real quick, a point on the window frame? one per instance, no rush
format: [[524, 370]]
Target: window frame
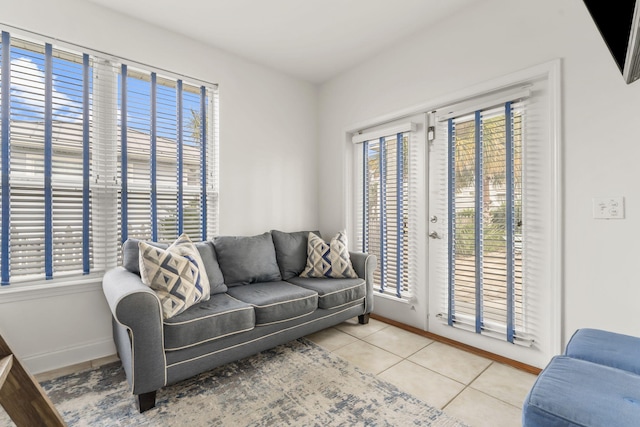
[[101, 186], [399, 135]]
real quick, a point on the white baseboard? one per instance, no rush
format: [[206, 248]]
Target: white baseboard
[[84, 352]]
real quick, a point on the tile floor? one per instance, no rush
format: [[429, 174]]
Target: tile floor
[[476, 390]]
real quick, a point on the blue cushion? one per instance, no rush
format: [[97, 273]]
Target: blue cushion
[[574, 392], [607, 348]]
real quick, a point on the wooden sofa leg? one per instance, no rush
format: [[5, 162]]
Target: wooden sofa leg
[[146, 401], [363, 319]]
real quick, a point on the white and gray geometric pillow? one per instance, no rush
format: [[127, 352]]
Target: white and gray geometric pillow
[[185, 247], [176, 278], [329, 260]]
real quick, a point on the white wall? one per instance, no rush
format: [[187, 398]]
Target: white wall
[[600, 138], [268, 135], [269, 131]]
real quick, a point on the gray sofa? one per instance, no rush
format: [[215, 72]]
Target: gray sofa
[[258, 300]]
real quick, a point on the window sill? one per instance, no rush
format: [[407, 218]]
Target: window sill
[[45, 289], [393, 298]]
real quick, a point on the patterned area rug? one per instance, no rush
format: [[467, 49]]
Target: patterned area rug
[[295, 384]]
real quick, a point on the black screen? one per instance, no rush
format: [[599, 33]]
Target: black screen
[[613, 19]]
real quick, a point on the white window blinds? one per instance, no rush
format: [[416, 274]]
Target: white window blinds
[[485, 218], [165, 146], [385, 205], [45, 216], [490, 192], [93, 152]]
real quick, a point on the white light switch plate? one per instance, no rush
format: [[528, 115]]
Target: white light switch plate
[[608, 207]]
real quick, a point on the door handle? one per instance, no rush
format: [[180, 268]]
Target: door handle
[[434, 235]]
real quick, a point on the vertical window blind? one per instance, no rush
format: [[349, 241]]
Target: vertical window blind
[[93, 152], [486, 247], [384, 206], [163, 153]]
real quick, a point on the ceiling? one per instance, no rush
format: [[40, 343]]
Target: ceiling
[[313, 40]]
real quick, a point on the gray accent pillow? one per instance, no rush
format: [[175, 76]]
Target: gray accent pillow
[[291, 251], [210, 260], [131, 254], [247, 259]]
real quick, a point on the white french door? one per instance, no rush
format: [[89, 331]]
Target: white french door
[[493, 258]]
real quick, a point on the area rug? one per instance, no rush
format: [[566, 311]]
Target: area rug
[[295, 384]]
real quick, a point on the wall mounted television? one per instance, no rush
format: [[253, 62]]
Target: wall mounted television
[[618, 22]]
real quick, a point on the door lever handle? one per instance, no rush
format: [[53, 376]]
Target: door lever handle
[[434, 235]]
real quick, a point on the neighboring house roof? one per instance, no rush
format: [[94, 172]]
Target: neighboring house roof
[[67, 136]]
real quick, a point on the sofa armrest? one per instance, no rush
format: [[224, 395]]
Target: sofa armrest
[[365, 264], [136, 307]]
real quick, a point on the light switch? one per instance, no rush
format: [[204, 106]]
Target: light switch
[[608, 207]]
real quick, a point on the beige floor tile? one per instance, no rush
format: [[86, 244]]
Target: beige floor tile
[[368, 357], [480, 410], [451, 362], [331, 338], [352, 327], [435, 389], [397, 341], [506, 383]]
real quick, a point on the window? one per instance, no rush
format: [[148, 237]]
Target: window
[[493, 176], [485, 281], [93, 152], [384, 206], [165, 149]]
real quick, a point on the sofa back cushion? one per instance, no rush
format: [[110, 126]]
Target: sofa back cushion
[[291, 251], [131, 261], [131, 254], [247, 259], [211, 266]]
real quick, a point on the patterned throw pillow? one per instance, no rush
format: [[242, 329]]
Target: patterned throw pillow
[[175, 274], [185, 247], [328, 260]]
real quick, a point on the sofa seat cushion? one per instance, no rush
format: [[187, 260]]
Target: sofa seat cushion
[[574, 392], [333, 293], [276, 301], [218, 317], [607, 348]]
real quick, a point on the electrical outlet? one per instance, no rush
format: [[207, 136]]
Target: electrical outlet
[[608, 207]]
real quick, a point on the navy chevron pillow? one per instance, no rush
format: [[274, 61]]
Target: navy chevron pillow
[[174, 274], [328, 260]]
